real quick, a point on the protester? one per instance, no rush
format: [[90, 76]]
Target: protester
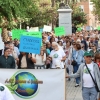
[[89, 91], [97, 60], [68, 51], [7, 61], [77, 59], [57, 54], [40, 59], [5, 94], [26, 61]]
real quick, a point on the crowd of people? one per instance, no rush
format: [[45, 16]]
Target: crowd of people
[[59, 52]]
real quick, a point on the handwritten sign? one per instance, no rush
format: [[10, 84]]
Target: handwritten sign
[[59, 31], [30, 44], [33, 34], [47, 28]]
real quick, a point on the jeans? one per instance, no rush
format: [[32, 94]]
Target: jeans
[[89, 93], [75, 70]]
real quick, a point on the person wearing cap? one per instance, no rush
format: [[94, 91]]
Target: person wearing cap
[[89, 91], [5, 94], [7, 61]]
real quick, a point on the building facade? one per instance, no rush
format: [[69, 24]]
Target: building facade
[[92, 20]]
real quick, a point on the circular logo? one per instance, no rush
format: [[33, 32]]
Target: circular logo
[[55, 55], [26, 84], [2, 88]]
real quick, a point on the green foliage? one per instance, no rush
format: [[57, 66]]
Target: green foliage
[[96, 8], [44, 15], [13, 11], [78, 17]]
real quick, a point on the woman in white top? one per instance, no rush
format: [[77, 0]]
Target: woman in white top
[[68, 52], [40, 59], [14, 54]]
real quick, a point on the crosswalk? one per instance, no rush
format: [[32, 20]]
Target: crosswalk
[[72, 92]]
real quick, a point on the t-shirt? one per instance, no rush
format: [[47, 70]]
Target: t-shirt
[[23, 62], [5, 94], [57, 56], [87, 80]]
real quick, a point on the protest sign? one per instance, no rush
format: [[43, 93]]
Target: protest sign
[[98, 28], [34, 29], [33, 34], [30, 44], [1, 45], [0, 30], [59, 31], [17, 33], [47, 28], [79, 29], [41, 30]]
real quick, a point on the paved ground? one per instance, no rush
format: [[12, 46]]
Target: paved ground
[[73, 93]]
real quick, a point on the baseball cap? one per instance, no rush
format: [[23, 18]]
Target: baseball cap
[[87, 53]]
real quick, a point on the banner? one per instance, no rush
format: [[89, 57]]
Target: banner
[[30, 44], [47, 28], [59, 31], [35, 84]]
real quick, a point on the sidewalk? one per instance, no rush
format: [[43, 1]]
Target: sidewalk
[[72, 92]]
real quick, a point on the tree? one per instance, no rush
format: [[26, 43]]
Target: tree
[[78, 17], [45, 14], [96, 8], [13, 11]]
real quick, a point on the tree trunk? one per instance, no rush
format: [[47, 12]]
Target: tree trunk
[[53, 3], [5, 35]]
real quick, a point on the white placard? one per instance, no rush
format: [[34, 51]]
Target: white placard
[[35, 84], [1, 45], [34, 29], [47, 28]]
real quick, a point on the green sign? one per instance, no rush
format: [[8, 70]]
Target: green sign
[[59, 31], [98, 28], [0, 30], [79, 29], [34, 34], [17, 33]]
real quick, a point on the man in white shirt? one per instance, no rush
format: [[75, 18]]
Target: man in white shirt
[[5, 94], [57, 55]]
